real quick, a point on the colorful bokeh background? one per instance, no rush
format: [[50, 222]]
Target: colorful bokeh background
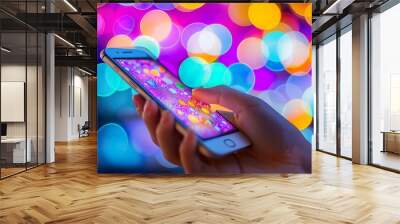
[[263, 49]]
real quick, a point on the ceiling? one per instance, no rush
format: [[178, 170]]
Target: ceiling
[[75, 22]]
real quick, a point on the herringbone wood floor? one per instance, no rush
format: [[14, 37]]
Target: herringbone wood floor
[[70, 191]]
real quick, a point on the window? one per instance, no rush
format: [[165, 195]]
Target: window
[[385, 89], [346, 92], [327, 96]]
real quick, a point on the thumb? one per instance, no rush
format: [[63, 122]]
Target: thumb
[[227, 97], [188, 154]]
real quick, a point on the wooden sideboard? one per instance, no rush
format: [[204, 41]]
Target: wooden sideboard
[[391, 141]]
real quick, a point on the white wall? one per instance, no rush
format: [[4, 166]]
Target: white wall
[[70, 83]]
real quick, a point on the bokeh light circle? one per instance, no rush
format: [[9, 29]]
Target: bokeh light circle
[[299, 8], [100, 25], [223, 34], [103, 89], [157, 24], [303, 82], [296, 111], [274, 98], [253, 52], [163, 162], [271, 40], [194, 72], [172, 39], [142, 5], [293, 49], [238, 13], [243, 78], [204, 42], [148, 43], [308, 98], [308, 14], [308, 134], [113, 146], [120, 41], [165, 6], [189, 30], [264, 79], [220, 75], [108, 81], [188, 7], [146, 145], [124, 25], [265, 16]]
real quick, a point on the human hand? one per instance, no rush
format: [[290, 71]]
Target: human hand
[[277, 146]]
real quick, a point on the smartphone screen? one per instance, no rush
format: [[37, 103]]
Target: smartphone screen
[[165, 88]]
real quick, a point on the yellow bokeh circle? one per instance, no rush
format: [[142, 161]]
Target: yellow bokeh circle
[[238, 13], [188, 7], [297, 112], [265, 16]]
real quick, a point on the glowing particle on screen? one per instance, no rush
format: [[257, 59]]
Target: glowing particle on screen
[[167, 80], [238, 13], [180, 85], [220, 75], [191, 103], [205, 110], [253, 52], [296, 112], [264, 16], [194, 72], [181, 102], [243, 78], [146, 71], [192, 118], [154, 72], [172, 90], [149, 44], [124, 25], [120, 41], [188, 7], [157, 24], [180, 112]]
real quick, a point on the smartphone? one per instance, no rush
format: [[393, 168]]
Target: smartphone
[[216, 135]]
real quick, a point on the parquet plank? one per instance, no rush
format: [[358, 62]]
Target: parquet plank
[[70, 191]]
